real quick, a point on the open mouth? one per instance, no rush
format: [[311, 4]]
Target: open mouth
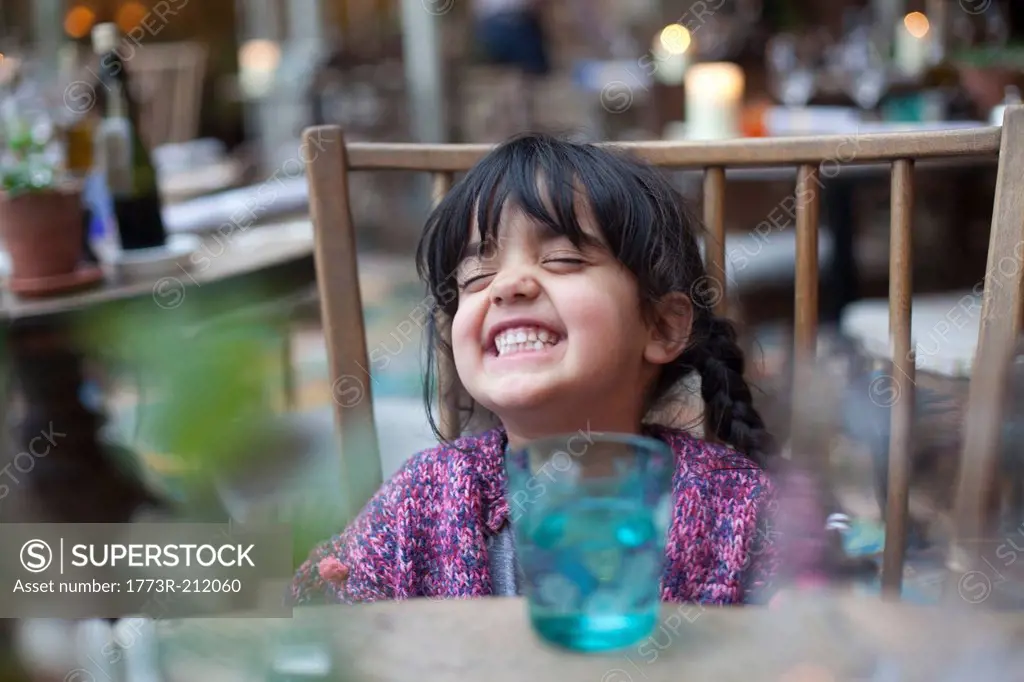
[[523, 340]]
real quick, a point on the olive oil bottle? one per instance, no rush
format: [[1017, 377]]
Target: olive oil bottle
[[77, 130]]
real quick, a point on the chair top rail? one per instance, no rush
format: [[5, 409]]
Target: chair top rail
[[849, 149]]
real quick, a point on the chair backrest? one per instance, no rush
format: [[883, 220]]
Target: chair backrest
[[168, 83], [331, 161]]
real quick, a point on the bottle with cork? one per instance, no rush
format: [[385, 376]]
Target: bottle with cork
[[127, 169]]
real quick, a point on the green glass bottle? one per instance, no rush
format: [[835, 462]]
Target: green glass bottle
[[130, 176]]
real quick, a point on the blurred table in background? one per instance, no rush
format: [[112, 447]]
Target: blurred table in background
[[950, 232], [189, 184], [263, 251], [241, 209], [47, 358], [815, 638], [196, 168]]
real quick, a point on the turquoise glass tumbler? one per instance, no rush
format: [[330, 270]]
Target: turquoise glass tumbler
[[590, 514]]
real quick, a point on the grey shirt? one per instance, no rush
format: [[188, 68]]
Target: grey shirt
[[506, 577]]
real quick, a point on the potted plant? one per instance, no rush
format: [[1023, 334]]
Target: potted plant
[[40, 211], [986, 73]]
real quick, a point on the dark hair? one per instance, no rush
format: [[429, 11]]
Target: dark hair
[[647, 225]]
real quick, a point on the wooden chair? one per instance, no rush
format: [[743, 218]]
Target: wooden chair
[[168, 83], [335, 255]]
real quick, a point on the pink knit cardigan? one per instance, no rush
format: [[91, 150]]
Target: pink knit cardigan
[[424, 534]]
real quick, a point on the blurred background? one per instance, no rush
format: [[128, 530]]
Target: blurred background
[[193, 383], [227, 87]]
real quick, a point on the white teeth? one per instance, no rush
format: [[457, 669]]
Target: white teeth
[[524, 339]]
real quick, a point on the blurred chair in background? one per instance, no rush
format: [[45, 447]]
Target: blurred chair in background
[[168, 78]]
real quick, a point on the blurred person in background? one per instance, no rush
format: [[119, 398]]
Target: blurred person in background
[[510, 33]]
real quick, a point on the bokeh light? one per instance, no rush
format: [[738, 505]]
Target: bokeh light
[[674, 39], [130, 15], [79, 21], [917, 24]]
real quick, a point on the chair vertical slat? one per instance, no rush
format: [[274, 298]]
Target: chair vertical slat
[[342, 313], [447, 381], [997, 336], [442, 185], [807, 213], [806, 303], [896, 391], [714, 222]]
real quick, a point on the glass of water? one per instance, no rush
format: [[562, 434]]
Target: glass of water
[[590, 513]]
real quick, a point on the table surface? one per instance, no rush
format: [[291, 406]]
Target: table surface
[[204, 180], [820, 639], [225, 257], [276, 198], [944, 327]]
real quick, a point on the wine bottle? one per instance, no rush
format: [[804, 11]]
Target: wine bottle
[[128, 170]]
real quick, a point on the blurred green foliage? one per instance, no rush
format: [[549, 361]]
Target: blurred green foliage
[[1009, 57], [209, 381], [24, 165], [206, 383]]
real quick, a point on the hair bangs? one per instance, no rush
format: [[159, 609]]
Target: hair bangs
[[550, 182]]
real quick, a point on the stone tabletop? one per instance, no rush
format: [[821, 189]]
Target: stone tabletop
[[819, 639]]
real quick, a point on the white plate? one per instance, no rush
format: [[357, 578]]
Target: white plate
[[173, 257]]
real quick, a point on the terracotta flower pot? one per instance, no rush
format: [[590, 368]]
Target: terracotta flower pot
[[986, 85], [42, 232]]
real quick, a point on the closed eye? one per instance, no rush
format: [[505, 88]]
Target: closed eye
[[469, 282], [565, 263]]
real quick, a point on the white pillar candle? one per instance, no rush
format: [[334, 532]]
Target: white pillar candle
[[913, 46], [714, 92], [257, 66]]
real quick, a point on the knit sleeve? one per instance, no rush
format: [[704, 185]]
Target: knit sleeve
[[366, 562]]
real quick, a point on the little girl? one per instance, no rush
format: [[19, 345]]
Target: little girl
[[582, 301]]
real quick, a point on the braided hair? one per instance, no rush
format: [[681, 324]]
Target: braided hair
[[729, 413], [645, 223]]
